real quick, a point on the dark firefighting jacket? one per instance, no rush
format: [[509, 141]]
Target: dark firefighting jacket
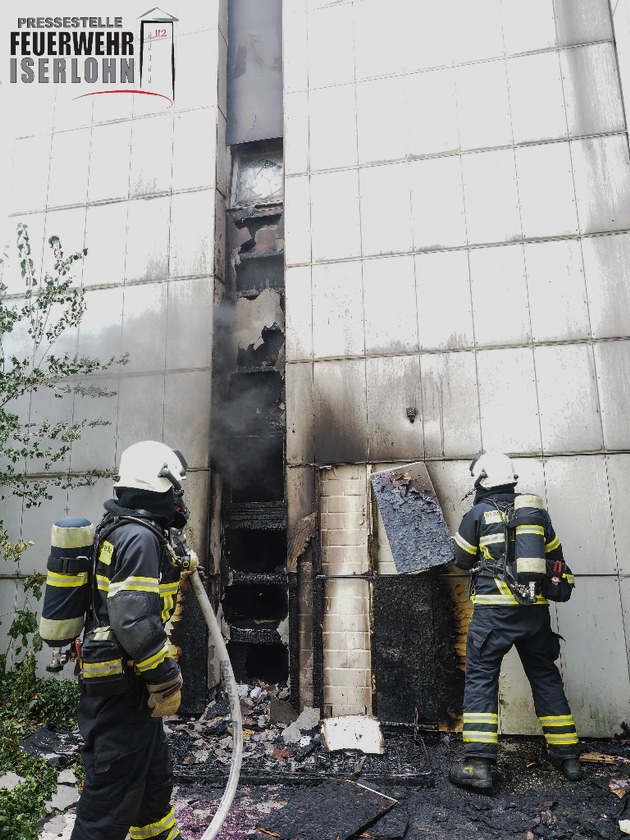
[[135, 590], [480, 549]]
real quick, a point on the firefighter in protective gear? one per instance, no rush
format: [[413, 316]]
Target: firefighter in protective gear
[[500, 621], [128, 772]]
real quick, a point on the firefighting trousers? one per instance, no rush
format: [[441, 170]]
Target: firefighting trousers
[[493, 631], [128, 772]]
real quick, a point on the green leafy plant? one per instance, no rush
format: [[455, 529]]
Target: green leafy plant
[[49, 306], [30, 702], [31, 465]]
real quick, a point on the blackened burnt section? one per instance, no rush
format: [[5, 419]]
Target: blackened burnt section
[[255, 600], [417, 676], [255, 551], [259, 271]]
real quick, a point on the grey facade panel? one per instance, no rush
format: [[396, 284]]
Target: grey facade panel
[[254, 71]]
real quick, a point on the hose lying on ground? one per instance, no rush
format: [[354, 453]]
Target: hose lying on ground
[[229, 682]]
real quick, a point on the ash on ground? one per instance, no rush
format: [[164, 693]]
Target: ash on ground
[[530, 799]]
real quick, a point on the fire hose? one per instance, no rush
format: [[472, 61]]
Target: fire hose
[[229, 682]]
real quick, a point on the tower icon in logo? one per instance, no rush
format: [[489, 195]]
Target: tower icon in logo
[[157, 52]]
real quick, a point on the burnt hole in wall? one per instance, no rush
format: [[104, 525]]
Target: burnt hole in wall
[[256, 272], [255, 602], [266, 352], [257, 468], [256, 400], [260, 234], [259, 661], [256, 551]]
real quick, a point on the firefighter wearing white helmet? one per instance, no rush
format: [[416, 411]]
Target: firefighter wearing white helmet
[[508, 543], [129, 681]]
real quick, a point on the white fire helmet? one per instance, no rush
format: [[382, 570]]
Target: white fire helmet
[[493, 469], [151, 466]]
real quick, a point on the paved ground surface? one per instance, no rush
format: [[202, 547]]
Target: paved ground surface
[[531, 800]]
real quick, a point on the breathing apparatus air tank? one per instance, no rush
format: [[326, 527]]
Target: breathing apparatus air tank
[[66, 596], [527, 526]]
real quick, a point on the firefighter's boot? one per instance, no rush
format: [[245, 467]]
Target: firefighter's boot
[[473, 772], [570, 768]]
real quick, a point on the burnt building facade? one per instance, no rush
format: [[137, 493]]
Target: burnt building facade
[[367, 241]]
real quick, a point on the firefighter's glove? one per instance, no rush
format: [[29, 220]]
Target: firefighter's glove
[[165, 698]]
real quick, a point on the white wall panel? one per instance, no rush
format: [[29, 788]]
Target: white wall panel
[[296, 132], [188, 91], [333, 108], [546, 190], [299, 401], [556, 289], [340, 409], [391, 433], [144, 326], [32, 155], [619, 484], [151, 155], [580, 483], [190, 311], [192, 239], [148, 238], [389, 305], [195, 140], [337, 309], [69, 167], [294, 45], [613, 374], [450, 405], [580, 21], [437, 203], [593, 659], [567, 398], [606, 261], [508, 400], [491, 197], [379, 38], [135, 425], [331, 46], [429, 45], [443, 287], [110, 154], [591, 86], [299, 313], [529, 27], [431, 111], [106, 241], [192, 389], [477, 30], [385, 200], [297, 223], [96, 449], [335, 228], [536, 97], [499, 293], [602, 183], [483, 105], [382, 120], [100, 330]]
